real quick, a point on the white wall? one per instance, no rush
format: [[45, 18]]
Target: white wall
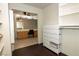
[[71, 19], [31, 9], [50, 27], [4, 29], [70, 42], [50, 14], [27, 24]]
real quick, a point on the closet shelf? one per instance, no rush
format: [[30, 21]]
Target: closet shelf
[[68, 14], [70, 26], [68, 9]]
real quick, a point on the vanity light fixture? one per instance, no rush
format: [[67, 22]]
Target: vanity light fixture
[[26, 15], [23, 16]]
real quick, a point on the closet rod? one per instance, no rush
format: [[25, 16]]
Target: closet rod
[[69, 27]]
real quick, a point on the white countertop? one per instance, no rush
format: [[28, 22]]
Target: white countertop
[[25, 29]]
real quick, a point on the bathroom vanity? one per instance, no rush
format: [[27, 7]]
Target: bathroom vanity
[[23, 33]]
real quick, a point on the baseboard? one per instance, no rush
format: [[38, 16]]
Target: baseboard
[[41, 43], [62, 54]]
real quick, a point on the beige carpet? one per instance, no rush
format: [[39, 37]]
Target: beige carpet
[[20, 43]]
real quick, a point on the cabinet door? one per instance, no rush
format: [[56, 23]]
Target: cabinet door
[[35, 33], [25, 34], [19, 35], [22, 35]]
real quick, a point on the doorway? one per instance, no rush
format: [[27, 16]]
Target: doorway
[[25, 29]]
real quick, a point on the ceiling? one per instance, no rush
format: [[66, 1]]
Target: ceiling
[[22, 12], [39, 5]]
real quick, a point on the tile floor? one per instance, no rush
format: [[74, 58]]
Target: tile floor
[[20, 43]]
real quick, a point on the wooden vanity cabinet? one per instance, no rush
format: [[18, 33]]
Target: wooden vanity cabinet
[[35, 34], [22, 35]]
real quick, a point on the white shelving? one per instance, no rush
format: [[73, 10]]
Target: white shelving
[[69, 24], [69, 15], [69, 27], [51, 37], [69, 9]]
